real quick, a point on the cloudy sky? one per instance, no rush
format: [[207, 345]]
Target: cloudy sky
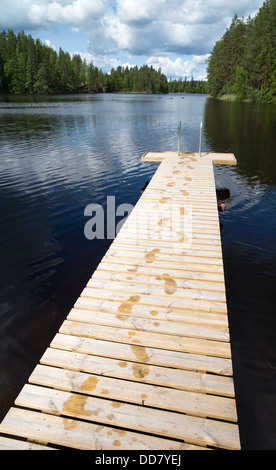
[[176, 35]]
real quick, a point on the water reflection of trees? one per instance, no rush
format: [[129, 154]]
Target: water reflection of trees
[[247, 130]]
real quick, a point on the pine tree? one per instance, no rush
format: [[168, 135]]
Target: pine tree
[[28, 66], [243, 61], [260, 50]]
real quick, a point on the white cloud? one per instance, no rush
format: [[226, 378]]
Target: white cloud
[[154, 28], [49, 44], [75, 13], [37, 13], [117, 32], [194, 67], [139, 12], [106, 63], [160, 27]]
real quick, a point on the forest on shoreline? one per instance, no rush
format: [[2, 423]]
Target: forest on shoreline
[[28, 66], [242, 65]]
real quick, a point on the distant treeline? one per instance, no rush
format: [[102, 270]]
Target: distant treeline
[[243, 62], [28, 66], [188, 86]]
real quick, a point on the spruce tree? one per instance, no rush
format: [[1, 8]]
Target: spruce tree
[[243, 61]]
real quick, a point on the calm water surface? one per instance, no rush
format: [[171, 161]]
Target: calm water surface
[[59, 154]]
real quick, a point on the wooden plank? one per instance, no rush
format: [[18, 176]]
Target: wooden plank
[[191, 403], [7, 443], [150, 259], [165, 203], [158, 313], [166, 287], [186, 220], [214, 290], [216, 158], [156, 254], [169, 234], [180, 242], [75, 434], [122, 320], [134, 245], [152, 274], [172, 425], [128, 269], [173, 206], [184, 282], [182, 195], [158, 301], [168, 250], [143, 359], [156, 340], [167, 223], [177, 284], [186, 254], [85, 357], [177, 262], [148, 355], [164, 247]]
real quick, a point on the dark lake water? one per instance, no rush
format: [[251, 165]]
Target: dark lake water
[[58, 154]]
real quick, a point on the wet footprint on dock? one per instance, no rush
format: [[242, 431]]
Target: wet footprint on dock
[[170, 286]]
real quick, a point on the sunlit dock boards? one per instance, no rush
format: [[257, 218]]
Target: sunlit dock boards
[[143, 360]]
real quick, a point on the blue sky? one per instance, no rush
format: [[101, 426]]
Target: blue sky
[[176, 35]]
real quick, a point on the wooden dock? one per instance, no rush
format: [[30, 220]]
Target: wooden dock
[[143, 360]]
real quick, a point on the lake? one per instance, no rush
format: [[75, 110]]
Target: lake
[[60, 153]]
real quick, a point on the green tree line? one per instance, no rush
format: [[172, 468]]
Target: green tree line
[[28, 66], [243, 61], [188, 86]]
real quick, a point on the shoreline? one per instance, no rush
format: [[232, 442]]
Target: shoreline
[[232, 98]]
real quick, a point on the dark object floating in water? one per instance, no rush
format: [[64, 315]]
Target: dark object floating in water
[[223, 196]]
